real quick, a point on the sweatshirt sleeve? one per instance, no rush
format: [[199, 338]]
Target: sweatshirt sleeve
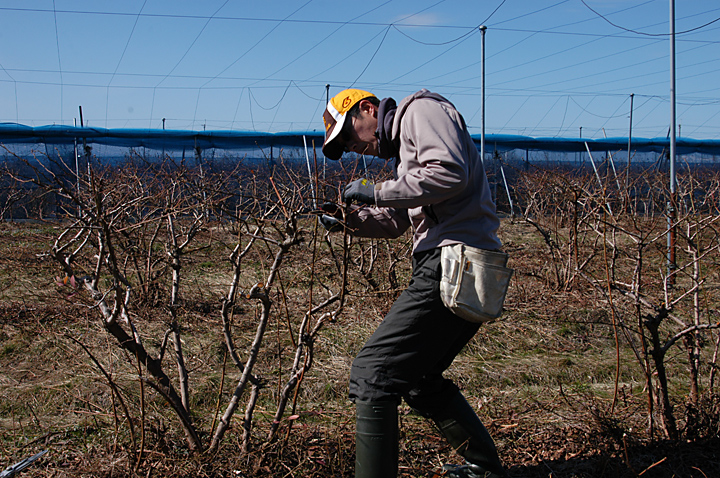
[[378, 222], [432, 142]]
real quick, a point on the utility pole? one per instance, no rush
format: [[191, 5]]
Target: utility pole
[[671, 202], [483, 28], [627, 173]]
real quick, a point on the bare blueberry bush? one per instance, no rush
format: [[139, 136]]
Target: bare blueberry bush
[[214, 295], [132, 248], [651, 257]]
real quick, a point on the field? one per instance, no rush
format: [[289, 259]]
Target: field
[[239, 335]]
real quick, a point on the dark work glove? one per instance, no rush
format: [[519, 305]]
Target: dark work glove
[[330, 223], [332, 209], [360, 190], [330, 217]]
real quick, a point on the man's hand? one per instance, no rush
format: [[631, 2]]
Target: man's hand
[[360, 190], [330, 223], [330, 217]]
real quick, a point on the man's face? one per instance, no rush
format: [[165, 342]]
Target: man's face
[[359, 136]]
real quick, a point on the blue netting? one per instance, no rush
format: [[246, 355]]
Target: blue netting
[[177, 140]]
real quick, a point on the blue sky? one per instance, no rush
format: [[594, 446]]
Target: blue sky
[[554, 68]]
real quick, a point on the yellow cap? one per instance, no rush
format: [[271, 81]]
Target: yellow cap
[[334, 118]]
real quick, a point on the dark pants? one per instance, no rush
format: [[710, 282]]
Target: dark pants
[[413, 346]]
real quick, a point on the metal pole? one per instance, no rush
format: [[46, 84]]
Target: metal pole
[[507, 191], [482, 94], [671, 203], [310, 177], [578, 154], [86, 151], [77, 163], [627, 173], [163, 150], [597, 176], [327, 101], [77, 169], [612, 163]]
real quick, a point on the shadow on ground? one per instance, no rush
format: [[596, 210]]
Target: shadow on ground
[[699, 459]]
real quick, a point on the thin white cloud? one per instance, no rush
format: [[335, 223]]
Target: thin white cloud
[[423, 19]]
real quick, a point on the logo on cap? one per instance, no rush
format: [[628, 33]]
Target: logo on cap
[[346, 102]]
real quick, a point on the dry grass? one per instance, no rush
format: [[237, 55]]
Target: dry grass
[[542, 380]]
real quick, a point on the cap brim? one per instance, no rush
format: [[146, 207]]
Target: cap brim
[[333, 148]]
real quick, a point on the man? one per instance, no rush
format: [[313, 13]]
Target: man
[[442, 191]]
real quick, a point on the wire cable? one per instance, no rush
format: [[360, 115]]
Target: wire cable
[[371, 58], [470, 32], [517, 110], [562, 123], [237, 108], [127, 43], [207, 22], [350, 55], [493, 13], [584, 109], [320, 42], [297, 58], [369, 41], [303, 92], [706, 122], [315, 46], [318, 104], [549, 31], [532, 13], [197, 37], [645, 33], [17, 109], [547, 112], [257, 42], [117, 66], [430, 60], [273, 20], [456, 42], [269, 107], [583, 86], [278, 104], [616, 110]]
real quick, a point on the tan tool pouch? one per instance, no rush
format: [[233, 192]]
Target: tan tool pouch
[[474, 282]]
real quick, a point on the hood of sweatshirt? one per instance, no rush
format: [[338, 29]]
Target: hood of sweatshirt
[[400, 111], [387, 147]]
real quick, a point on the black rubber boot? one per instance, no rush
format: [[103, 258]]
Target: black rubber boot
[[376, 439], [464, 431], [466, 471]]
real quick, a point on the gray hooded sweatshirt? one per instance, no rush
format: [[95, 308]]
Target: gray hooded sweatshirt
[[441, 188]]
